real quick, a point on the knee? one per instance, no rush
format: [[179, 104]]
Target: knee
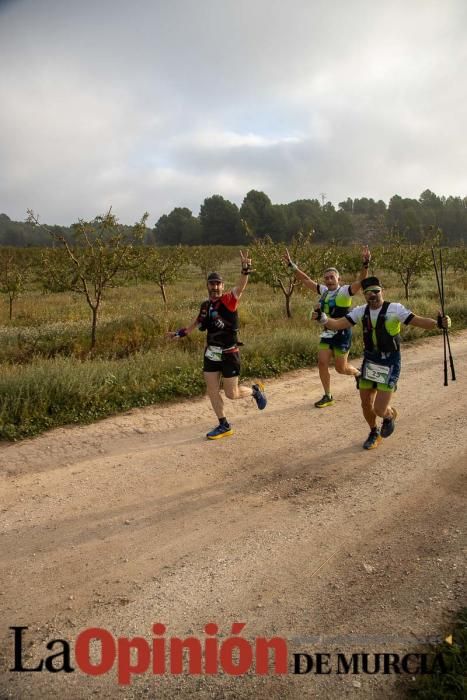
[[230, 393], [379, 411], [341, 368], [323, 363]]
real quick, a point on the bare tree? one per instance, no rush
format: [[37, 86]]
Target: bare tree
[[162, 266], [269, 264], [100, 250], [409, 260], [12, 278]]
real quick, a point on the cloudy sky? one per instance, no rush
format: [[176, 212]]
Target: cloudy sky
[[155, 104]]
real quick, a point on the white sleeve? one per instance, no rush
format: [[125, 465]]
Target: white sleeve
[[321, 289], [400, 311], [345, 289], [356, 314]]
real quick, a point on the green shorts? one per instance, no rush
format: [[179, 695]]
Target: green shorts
[[366, 384], [337, 352], [339, 343]]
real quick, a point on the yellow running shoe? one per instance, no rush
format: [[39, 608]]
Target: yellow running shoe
[[327, 400], [220, 431]]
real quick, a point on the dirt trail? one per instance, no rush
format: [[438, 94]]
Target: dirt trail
[[288, 526]]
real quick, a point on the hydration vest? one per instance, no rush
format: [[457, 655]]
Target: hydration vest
[[385, 342], [220, 323], [331, 306]]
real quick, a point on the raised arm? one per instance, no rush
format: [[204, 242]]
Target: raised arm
[[363, 274], [245, 271], [299, 274]]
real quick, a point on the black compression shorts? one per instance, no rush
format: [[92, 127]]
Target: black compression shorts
[[229, 366]]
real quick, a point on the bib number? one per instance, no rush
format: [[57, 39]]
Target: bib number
[[376, 373], [214, 353]]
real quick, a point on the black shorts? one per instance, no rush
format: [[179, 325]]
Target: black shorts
[[229, 365]]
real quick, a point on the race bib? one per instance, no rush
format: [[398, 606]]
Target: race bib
[[327, 334], [213, 353], [376, 373]]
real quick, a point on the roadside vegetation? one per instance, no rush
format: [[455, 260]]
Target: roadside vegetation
[[59, 366], [451, 684]]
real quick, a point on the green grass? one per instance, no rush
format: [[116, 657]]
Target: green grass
[[453, 684], [48, 376]]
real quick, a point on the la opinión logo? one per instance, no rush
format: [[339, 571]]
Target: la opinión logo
[[96, 651]]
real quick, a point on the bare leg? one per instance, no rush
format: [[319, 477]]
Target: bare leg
[[234, 391], [324, 358], [212, 380], [367, 397], [382, 407], [342, 366]]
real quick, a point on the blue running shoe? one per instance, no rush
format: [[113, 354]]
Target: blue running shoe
[[219, 432], [373, 439], [259, 395], [389, 424]]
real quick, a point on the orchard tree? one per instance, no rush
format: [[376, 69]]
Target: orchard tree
[[162, 266], [409, 260], [348, 260], [12, 277], [268, 261], [209, 257], [456, 259], [315, 259], [100, 250]]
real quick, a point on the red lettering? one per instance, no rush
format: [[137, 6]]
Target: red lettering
[[143, 657], [83, 653]]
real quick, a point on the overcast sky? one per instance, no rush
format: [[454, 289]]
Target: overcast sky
[[155, 104]]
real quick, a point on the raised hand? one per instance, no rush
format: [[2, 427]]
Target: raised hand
[[288, 260], [316, 314], [246, 263], [286, 257]]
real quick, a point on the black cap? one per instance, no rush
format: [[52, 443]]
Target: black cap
[[371, 282], [214, 277]]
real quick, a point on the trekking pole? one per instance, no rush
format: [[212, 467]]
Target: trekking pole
[[442, 311], [451, 361], [441, 301], [446, 342]]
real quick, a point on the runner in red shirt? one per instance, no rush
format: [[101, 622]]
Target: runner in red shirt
[[219, 318]]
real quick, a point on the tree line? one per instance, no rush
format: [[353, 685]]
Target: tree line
[[221, 222], [105, 253]]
